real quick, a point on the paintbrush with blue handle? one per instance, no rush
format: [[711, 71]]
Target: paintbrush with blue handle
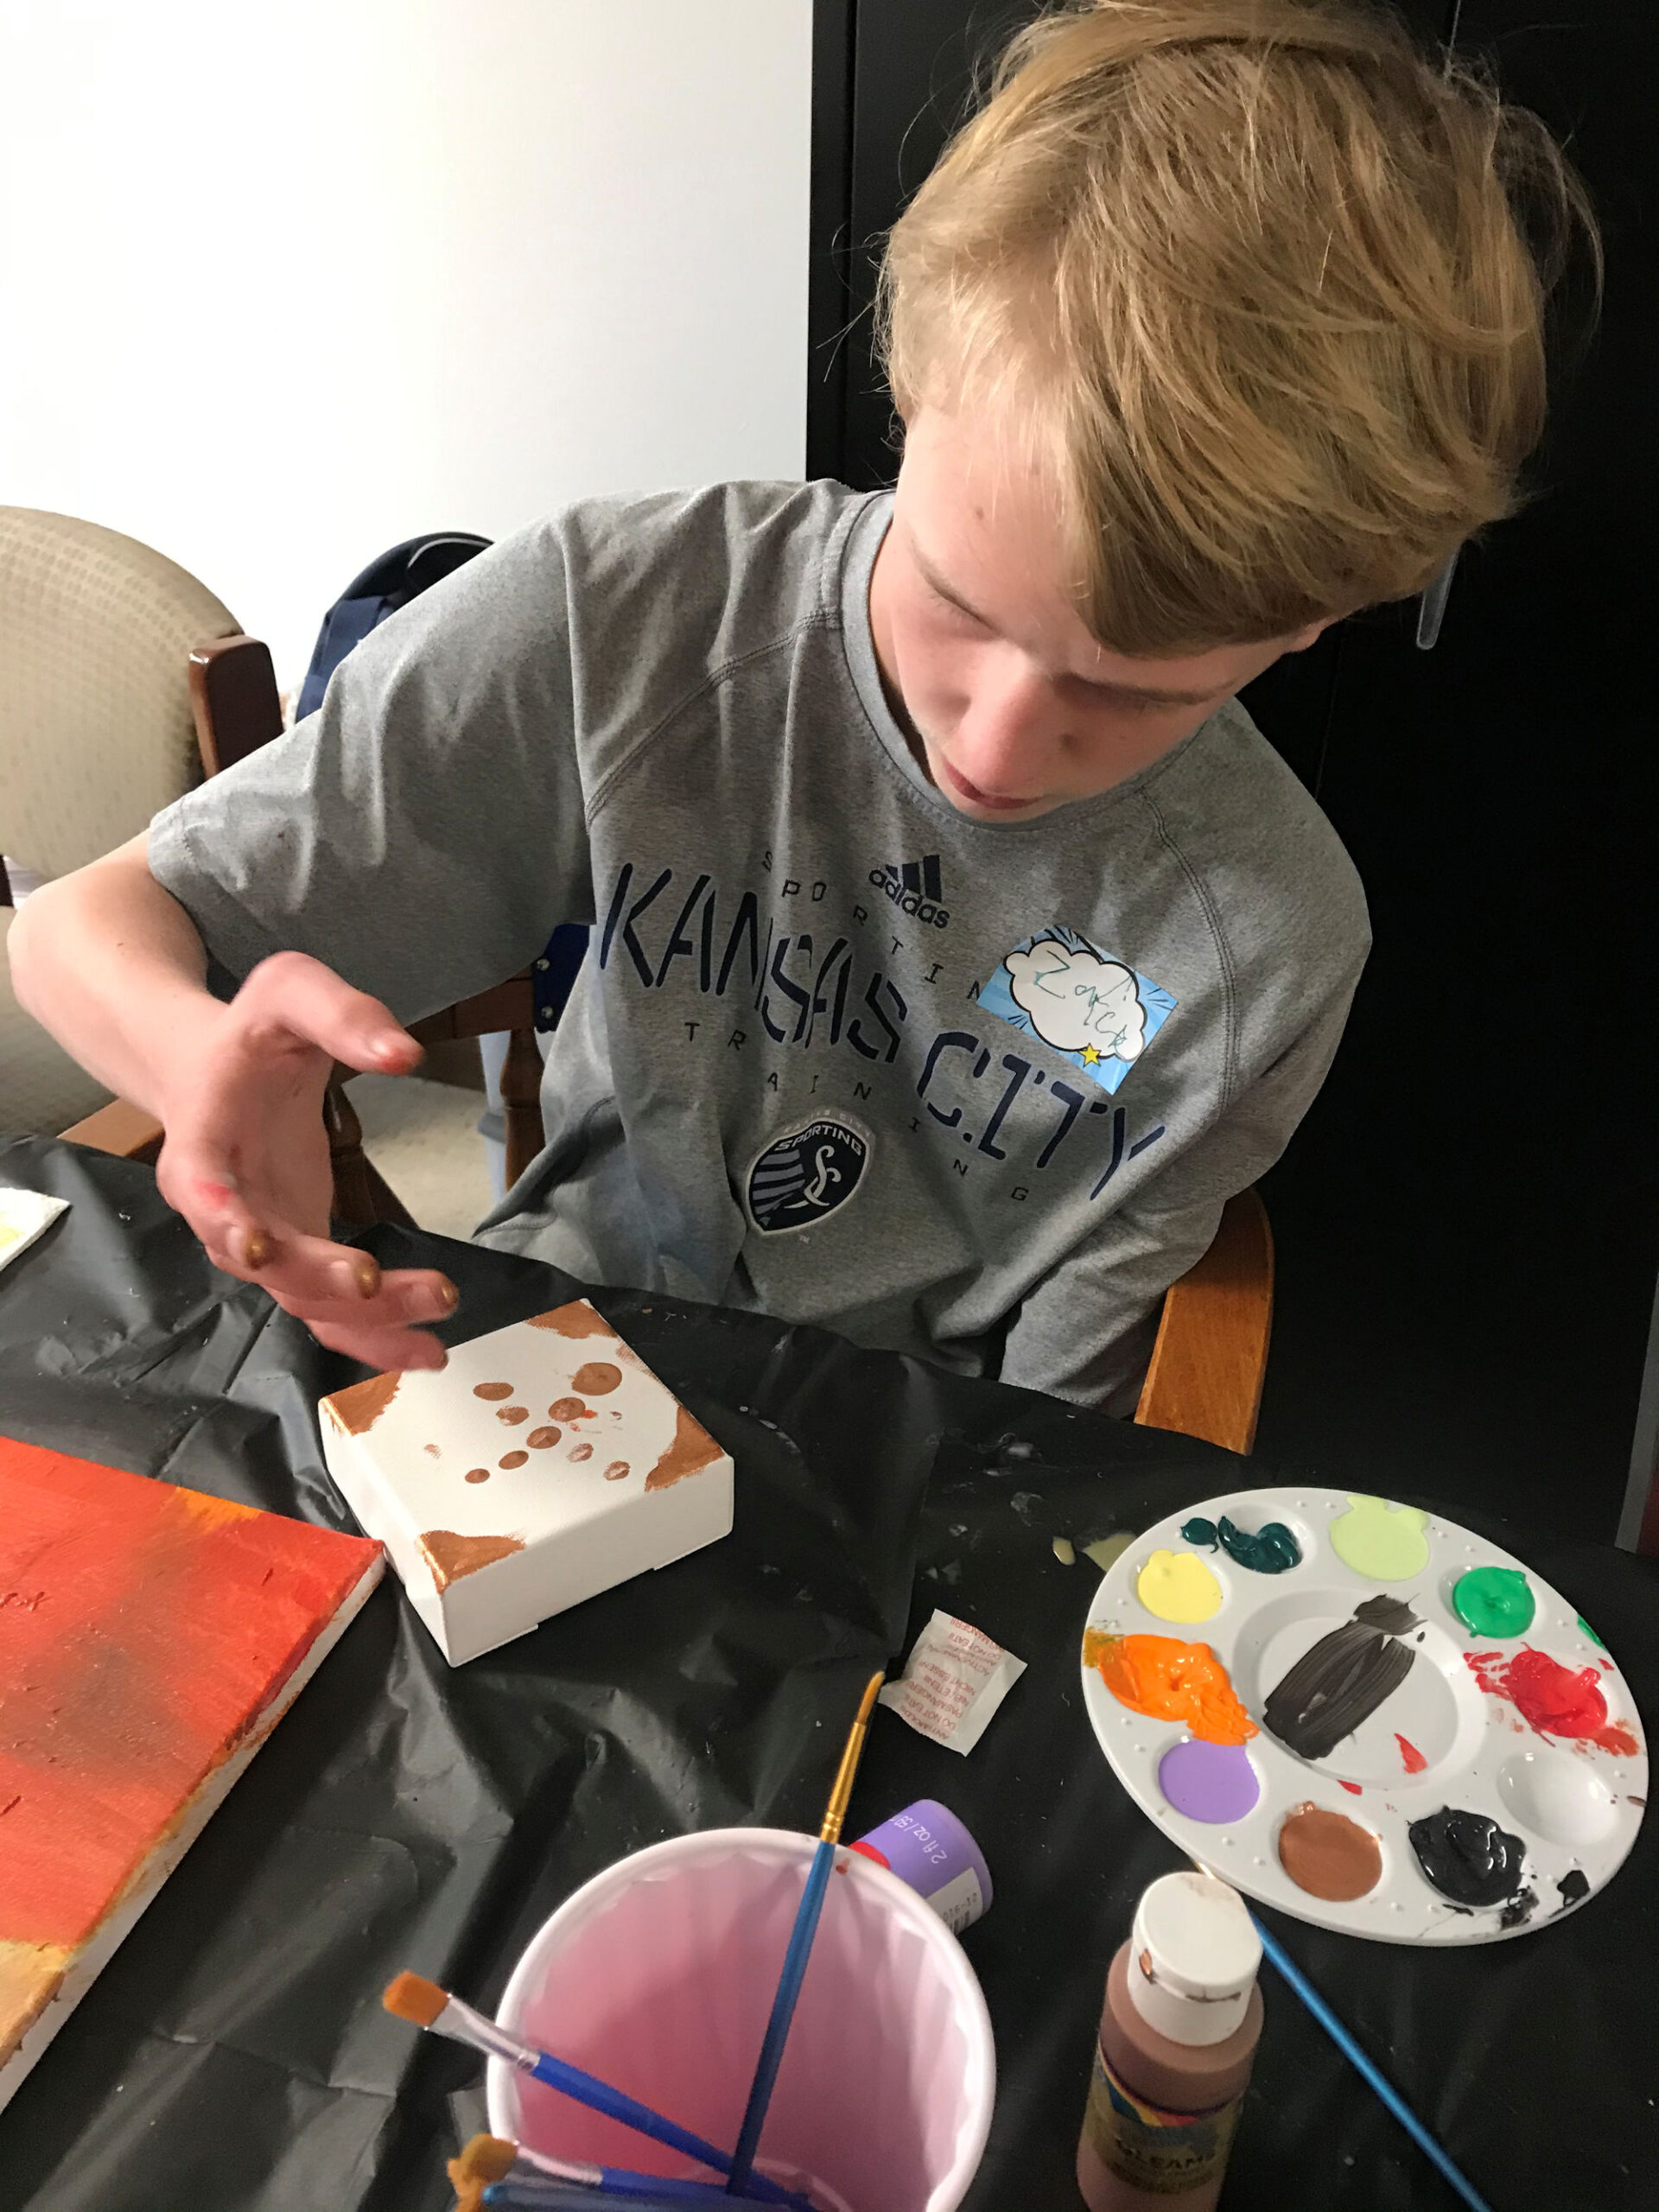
[[800, 1948], [570, 2196], [411, 1997], [1379, 2082], [491, 2162]]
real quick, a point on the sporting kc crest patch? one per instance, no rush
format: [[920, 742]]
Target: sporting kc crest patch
[[1097, 1011], [804, 1177]]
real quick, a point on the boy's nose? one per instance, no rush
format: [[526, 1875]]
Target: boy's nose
[[1008, 739]]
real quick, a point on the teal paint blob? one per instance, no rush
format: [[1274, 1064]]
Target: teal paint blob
[[1270, 1550], [1494, 1601]]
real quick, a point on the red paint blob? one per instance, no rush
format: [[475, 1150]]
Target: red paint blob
[[1551, 1697], [1414, 1761], [1353, 1788]]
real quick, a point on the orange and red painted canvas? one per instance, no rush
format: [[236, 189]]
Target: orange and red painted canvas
[[149, 1639]]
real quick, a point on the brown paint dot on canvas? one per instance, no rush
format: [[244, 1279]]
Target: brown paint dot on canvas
[[1329, 1855], [513, 1458], [435, 1451], [477, 1475], [540, 1439], [492, 1389], [567, 1409], [582, 1452], [616, 1471], [596, 1378], [513, 1414]]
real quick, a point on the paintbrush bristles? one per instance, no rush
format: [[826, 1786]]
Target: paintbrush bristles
[[486, 2158], [412, 1997], [840, 1796]]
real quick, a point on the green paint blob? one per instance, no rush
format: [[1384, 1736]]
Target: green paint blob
[[1590, 1632], [1269, 1550], [1384, 1542], [1494, 1601]]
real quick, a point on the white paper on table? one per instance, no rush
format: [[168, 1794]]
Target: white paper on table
[[953, 1682], [24, 1215]]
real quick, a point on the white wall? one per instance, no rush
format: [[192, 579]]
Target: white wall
[[280, 284]]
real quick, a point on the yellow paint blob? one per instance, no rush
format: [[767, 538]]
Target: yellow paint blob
[[1177, 1586]]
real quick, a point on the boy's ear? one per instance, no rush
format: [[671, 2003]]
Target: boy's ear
[[1299, 640]]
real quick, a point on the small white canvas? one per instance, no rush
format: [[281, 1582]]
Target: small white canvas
[[544, 1464], [25, 1215]]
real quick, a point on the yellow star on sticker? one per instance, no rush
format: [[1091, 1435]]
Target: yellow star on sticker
[[1091, 1057]]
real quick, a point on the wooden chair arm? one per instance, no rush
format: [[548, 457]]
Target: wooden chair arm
[[126, 1131], [1211, 1356], [234, 699], [510, 1005]]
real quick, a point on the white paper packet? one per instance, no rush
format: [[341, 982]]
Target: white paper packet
[[953, 1682], [23, 1216]]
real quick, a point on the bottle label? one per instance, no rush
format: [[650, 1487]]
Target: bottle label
[[1163, 2153]]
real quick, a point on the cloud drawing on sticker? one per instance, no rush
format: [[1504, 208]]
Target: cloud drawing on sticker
[[1077, 1001]]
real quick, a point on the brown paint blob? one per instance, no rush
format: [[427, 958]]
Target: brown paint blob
[[582, 1452], [477, 1475], [450, 1556], [434, 1450], [1329, 1855], [596, 1378], [692, 1450], [513, 1414], [567, 1409], [492, 1389], [540, 1439], [617, 1471], [512, 1458], [576, 1319], [357, 1408]]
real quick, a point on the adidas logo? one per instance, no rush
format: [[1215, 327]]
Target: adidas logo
[[915, 887]]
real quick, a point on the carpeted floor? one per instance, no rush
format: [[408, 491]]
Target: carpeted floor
[[424, 1138]]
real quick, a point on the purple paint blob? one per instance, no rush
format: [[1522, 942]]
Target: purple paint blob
[[1213, 1783]]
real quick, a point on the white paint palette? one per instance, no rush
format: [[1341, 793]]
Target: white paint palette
[[1400, 1732]]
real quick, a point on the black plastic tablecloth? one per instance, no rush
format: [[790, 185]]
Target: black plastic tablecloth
[[234, 2058]]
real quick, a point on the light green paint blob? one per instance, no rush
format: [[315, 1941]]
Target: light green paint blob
[[1384, 1542], [9, 1235], [1494, 1601], [1106, 1551], [1590, 1632], [1064, 1551]]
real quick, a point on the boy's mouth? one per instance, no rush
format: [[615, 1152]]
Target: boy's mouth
[[956, 782]]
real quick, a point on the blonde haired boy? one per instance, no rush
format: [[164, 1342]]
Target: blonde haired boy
[[959, 946]]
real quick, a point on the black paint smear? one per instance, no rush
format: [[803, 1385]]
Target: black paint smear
[[1468, 1858], [1342, 1680], [1519, 1910], [1574, 1887]]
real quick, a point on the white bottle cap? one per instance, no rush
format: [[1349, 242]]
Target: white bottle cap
[[1193, 1956]]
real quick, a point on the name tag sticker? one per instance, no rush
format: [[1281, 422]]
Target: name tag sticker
[[1094, 1009]]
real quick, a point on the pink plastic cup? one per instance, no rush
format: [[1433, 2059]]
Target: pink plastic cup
[[659, 1974]]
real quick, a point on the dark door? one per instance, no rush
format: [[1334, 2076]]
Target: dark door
[[1468, 1223]]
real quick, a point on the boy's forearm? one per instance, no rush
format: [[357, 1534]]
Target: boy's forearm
[[111, 965]]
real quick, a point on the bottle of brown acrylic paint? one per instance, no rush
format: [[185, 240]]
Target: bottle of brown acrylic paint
[[1178, 2033]]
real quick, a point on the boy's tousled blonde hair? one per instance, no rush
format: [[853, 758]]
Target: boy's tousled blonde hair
[[1262, 287]]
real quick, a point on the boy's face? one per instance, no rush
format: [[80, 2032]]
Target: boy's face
[[1010, 704]]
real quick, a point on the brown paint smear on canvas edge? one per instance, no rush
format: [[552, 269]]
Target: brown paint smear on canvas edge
[[450, 1556], [357, 1408], [692, 1450]]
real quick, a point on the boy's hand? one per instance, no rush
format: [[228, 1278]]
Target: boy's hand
[[247, 1162]]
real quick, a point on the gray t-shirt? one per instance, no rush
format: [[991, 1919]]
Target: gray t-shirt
[[837, 1052]]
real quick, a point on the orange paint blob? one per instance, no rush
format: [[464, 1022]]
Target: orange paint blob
[[1168, 1680]]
